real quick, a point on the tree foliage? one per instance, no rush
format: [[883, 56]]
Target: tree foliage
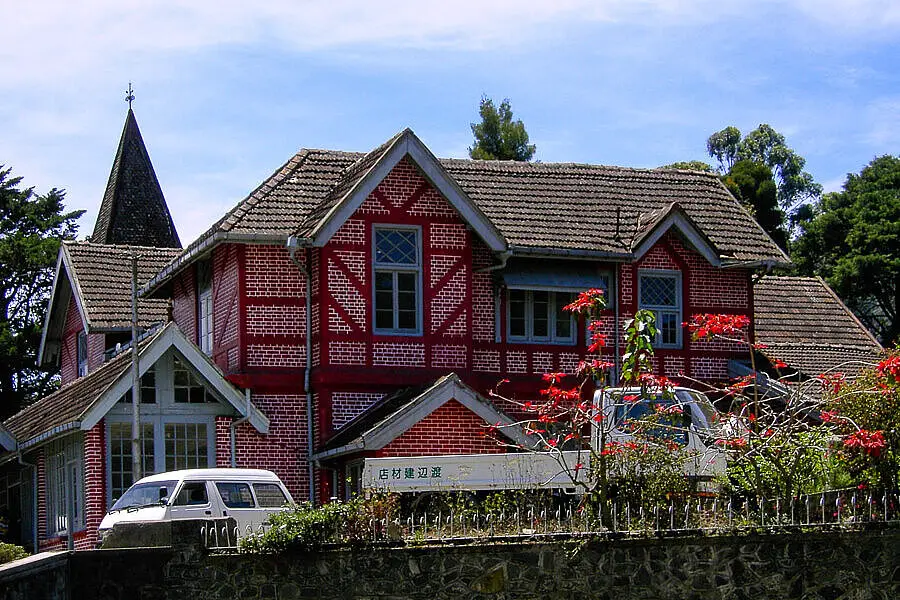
[[752, 183], [852, 240], [691, 165], [497, 136], [31, 229], [767, 146]]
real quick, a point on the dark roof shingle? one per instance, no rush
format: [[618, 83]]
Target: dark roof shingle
[[134, 211], [103, 276], [561, 206], [69, 403]]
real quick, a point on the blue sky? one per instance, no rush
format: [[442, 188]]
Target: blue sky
[[228, 90]]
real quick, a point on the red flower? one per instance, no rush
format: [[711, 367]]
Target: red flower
[[889, 368], [703, 326], [868, 442], [587, 302]]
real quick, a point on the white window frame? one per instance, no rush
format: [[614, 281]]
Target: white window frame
[[659, 310], [64, 471], [395, 269], [205, 307], [165, 412], [81, 353], [529, 337]]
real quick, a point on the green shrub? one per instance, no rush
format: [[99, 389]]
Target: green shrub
[[11, 552]]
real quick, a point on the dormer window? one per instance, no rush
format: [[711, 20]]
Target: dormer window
[[82, 350], [397, 275], [204, 307]]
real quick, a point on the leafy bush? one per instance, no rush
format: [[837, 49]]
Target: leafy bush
[[11, 552], [304, 527]]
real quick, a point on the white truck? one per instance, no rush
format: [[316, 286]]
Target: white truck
[[550, 470]]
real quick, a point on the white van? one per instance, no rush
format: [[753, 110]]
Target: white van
[[247, 495]]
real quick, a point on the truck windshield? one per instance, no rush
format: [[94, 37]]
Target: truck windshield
[[151, 493], [671, 425]]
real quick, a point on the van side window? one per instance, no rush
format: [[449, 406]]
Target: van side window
[[235, 495], [269, 495], [192, 493]]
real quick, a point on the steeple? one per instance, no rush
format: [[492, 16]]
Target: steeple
[[134, 210]]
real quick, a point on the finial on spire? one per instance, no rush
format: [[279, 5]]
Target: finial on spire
[[129, 95]]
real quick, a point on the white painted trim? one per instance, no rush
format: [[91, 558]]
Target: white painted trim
[[408, 144], [678, 219], [172, 337]]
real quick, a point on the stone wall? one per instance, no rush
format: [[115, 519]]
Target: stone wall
[[857, 564]]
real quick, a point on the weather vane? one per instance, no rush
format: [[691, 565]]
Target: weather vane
[[129, 98]]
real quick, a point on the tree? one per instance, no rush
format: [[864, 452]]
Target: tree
[[498, 137], [691, 165], [752, 183], [767, 146], [852, 240], [31, 229]]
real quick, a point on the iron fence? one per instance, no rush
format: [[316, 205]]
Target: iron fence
[[573, 516]]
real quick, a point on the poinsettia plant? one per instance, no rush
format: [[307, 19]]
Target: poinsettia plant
[[622, 443]]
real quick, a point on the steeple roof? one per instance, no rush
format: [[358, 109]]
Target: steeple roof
[[134, 210]]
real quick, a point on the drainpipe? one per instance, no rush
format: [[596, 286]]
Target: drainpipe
[[233, 427], [504, 258], [34, 497], [293, 245]]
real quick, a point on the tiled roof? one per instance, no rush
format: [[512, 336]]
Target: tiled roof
[[71, 401], [791, 310], [813, 359], [561, 206], [134, 210], [103, 276], [590, 207], [803, 323]]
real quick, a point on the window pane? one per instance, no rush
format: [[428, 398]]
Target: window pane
[[517, 313], [235, 495], [192, 493], [541, 314], [658, 291], [186, 446], [406, 301], [396, 246], [563, 317], [668, 327], [120, 456], [269, 495]]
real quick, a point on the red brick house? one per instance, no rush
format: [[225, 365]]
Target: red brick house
[[359, 305]]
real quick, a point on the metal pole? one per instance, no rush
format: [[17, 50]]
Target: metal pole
[[135, 379]]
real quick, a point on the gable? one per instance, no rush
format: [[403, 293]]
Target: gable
[[396, 415], [361, 182], [450, 429]]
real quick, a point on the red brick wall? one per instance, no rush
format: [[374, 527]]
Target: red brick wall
[[275, 306], [451, 429], [705, 289], [94, 483], [184, 303], [68, 357], [282, 450], [226, 306]]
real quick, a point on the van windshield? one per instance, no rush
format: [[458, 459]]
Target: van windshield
[[151, 493]]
